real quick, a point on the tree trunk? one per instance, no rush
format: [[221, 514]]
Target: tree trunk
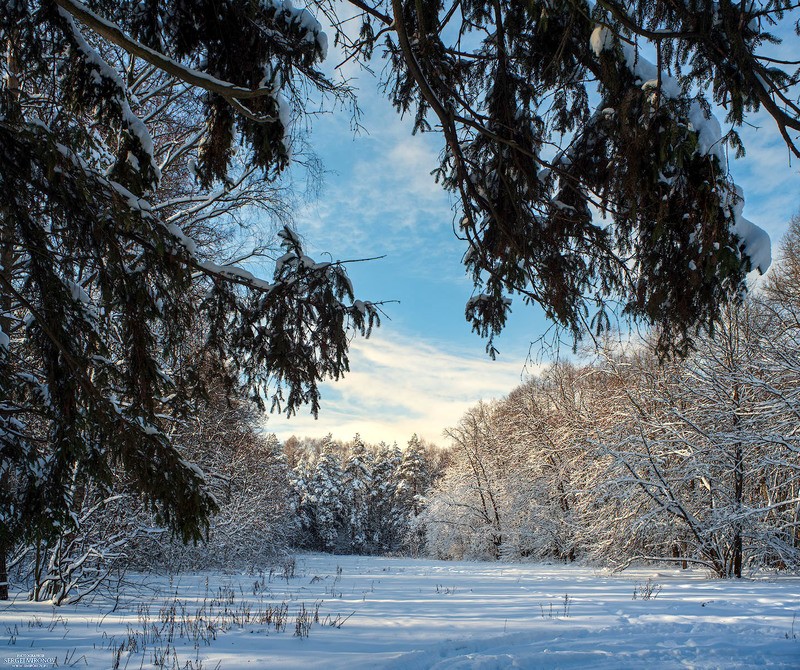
[[3, 574], [738, 493], [7, 258], [497, 541], [4, 532]]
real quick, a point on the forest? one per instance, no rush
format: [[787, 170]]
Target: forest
[[156, 298], [622, 459]]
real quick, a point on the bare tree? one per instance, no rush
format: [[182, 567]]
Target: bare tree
[[704, 442]]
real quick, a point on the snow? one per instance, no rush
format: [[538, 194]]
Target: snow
[[289, 237], [600, 40], [186, 242], [237, 274], [77, 291], [307, 23], [409, 614], [709, 132], [134, 202], [562, 206], [284, 112], [755, 240], [757, 244]]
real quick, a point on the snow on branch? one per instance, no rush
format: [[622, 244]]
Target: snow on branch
[[116, 36], [710, 142], [103, 71]]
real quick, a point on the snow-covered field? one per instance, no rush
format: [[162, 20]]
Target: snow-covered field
[[413, 614]]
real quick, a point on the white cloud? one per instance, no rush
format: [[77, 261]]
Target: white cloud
[[768, 176], [399, 386], [384, 197]]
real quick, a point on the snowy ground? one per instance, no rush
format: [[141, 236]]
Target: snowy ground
[[408, 614]]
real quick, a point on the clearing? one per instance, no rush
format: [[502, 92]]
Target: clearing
[[352, 612]]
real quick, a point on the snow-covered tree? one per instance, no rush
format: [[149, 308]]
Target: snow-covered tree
[[302, 505], [387, 521], [521, 470], [703, 445], [325, 506], [631, 458], [414, 477], [357, 487], [545, 419], [469, 509], [112, 530], [580, 142], [93, 552], [129, 134], [249, 479], [362, 498]]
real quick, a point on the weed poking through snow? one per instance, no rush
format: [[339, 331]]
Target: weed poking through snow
[[556, 612], [648, 590]]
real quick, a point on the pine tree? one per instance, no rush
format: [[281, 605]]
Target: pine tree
[[300, 485], [387, 521], [326, 503], [414, 477], [357, 486], [590, 174], [110, 217]]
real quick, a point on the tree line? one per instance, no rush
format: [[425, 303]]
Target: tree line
[[693, 460], [139, 140], [272, 499]]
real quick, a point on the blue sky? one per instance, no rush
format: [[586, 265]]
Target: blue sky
[[423, 368]]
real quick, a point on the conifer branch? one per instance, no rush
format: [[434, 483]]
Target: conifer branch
[[116, 36]]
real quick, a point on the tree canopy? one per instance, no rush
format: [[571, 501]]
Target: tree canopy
[[133, 140], [590, 173], [579, 141]]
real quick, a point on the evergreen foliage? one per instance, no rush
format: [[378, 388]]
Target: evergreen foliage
[[111, 530], [358, 498], [248, 476], [131, 134], [590, 174]]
